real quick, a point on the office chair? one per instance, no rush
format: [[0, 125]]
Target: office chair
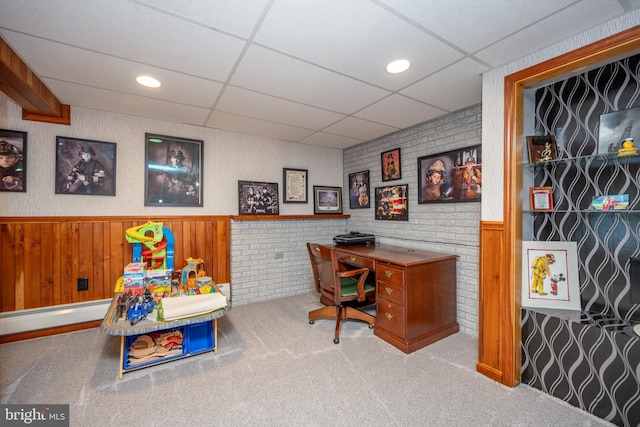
[[338, 286]]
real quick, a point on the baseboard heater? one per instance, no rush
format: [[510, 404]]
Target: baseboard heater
[[14, 322]]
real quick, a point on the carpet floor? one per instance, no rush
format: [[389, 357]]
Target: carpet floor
[[275, 369]]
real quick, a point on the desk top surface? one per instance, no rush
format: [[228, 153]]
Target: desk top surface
[[111, 325], [396, 254]]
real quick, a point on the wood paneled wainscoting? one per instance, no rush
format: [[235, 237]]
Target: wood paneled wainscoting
[[41, 258], [495, 324]]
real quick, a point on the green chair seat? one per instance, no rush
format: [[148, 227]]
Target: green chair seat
[[350, 287]]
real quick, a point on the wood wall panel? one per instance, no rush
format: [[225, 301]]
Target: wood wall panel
[[41, 258], [491, 299]]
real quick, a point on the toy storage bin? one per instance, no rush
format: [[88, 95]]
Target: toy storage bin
[[132, 338], [199, 337]]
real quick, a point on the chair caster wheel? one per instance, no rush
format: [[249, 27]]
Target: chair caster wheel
[[311, 322], [336, 341], [371, 326]]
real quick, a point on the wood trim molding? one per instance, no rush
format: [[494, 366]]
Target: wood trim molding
[[287, 217], [605, 50], [27, 90]]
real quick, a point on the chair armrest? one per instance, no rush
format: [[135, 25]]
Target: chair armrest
[[363, 273]]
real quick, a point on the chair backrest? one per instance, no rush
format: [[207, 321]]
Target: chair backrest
[[324, 264]]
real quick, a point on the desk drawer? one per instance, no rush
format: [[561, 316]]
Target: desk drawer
[[390, 317], [390, 274], [355, 260], [391, 291]]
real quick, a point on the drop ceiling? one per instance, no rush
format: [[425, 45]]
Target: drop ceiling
[[308, 71]]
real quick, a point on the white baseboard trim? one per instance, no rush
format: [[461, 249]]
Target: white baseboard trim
[[13, 322]]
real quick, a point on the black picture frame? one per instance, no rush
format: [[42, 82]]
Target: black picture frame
[[359, 190], [296, 185], [173, 171], [460, 179], [392, 203], [258, 198], [13, 170], [79, 175], [327, 200], [390, 165]]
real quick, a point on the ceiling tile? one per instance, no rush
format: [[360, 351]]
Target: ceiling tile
[[572, 20], [399, 111], [264, 107], [127, 30], [99, 99], [474, 24], [241, 124], [356, 38], [105, 72], [453, 88], [354, 127], [237, 17], [328, 140], [265, 71]]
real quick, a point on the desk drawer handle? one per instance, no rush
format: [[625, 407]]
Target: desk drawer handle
[[388, 290], [388, 315], [389, 273], [353, 259]]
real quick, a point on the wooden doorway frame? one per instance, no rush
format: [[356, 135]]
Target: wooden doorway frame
[[499, 354]]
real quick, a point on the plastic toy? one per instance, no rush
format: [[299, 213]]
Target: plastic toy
[[138, 310], [158, 245], [190, 274], [628, 149]]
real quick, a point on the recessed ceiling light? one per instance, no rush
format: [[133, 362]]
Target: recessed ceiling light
[[148, 81], [398, 66]]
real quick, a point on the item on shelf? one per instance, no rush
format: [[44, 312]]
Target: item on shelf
[[193, 269], [541, 198], [152, 347], [542, 148], [611, 202], [177, 308], [134, 274], [628, 149]]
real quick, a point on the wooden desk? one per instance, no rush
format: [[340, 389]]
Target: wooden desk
[[415, 292]]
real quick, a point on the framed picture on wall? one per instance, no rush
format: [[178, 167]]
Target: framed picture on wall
[[327, 200], [296, 185], [359, 190], [390, 161], [453, 176], [550, 275], [617, 126], [13, 169], [85, 167], [173, 171], [392, 203], [258, 198]]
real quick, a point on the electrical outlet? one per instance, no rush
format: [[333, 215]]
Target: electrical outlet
[[83, 284]]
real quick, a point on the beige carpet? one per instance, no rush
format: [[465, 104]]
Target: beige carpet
[[274, 369]]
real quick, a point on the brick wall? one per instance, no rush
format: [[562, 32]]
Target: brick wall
[[258, 272], [269, 257], [443, 227]]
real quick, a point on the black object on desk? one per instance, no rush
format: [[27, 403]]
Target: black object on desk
[[354, 238]]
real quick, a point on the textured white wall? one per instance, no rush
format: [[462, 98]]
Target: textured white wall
[[228, 157], [493, 107]]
